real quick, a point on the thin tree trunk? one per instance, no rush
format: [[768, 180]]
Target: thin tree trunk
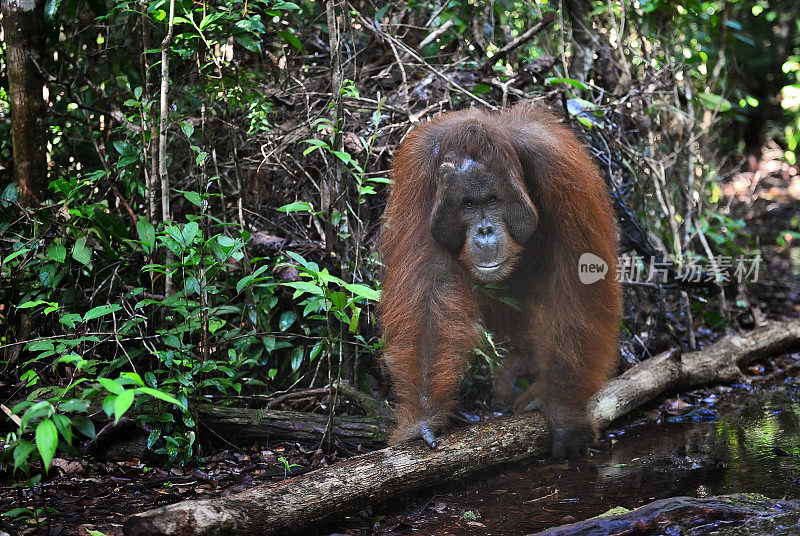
[[332, 183], [582, 39], [151, 144], [162, 141], [23, 32]]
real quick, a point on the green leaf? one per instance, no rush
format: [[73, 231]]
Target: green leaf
[[310, 266], [248, 41], [354, 320], [21, 453], [172, 244], [571, 81], [64, 425], [101, 310], [314, 144], [339, 300], [40, 346], [150, 379], [123, 402], [304, 286], [22, 513], [382, 11], [286, 320], [187, 129], [124, 148], [297, 206], [210, 19], [174, 232], [191, 285], [147, 234], [194, 198], [189, 232], [46, 441], [291, 39], [108, 404], [84, 425], [714, 102], [73, 404], [316, 350], [243, 282], [297, 357], [82, 252], [29, 304], [16, 254], [153, 437], [226, 241], [9, 195], [57, 252], [111, 386], [363, 291], [131, 378], [40, 409], [70, 319], [160, 395], [127, 160], [343, 156], [246, 280], [252, 25]]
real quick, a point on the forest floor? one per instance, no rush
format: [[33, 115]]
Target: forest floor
[[675, 439]]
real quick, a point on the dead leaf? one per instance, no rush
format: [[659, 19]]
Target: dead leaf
[[68, 467]]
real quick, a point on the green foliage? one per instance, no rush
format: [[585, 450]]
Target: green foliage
[[326, 127], [287, 466], [726, 234], [90, 276], [100, 338], [790, 102]]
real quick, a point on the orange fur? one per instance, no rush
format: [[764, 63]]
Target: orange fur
[[429, 307]]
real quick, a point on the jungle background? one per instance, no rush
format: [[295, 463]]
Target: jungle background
[[192, 192]]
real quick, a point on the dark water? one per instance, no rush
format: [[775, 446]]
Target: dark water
[[741, 438]]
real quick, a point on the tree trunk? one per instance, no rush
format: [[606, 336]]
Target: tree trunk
[[331, 184], [23, 32], [243, 426], [325, 494], [582, 40], [162, 145]]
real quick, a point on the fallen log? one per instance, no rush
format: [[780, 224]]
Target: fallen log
[[744, 514], [243, 427], [672, 370], [326, 494]]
